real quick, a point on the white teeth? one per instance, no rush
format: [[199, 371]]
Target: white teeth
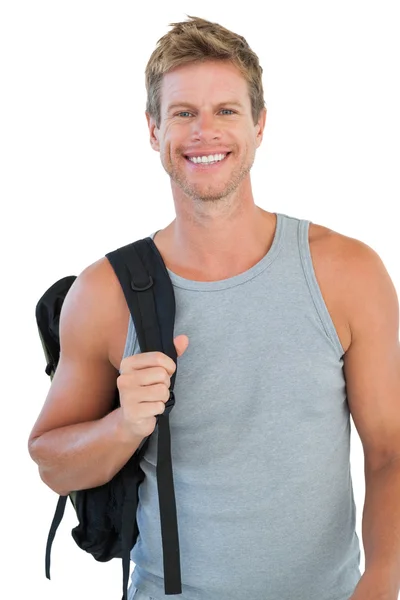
[[207, 159]]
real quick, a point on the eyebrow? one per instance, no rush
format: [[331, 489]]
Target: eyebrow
[[176, 105]]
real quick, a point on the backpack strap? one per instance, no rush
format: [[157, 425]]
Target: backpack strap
[[150, 297], [58, 515]]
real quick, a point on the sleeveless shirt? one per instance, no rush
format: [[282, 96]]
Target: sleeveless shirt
[[260, 439]]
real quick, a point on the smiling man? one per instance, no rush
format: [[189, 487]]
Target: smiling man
[[206, 135], [293, 327]]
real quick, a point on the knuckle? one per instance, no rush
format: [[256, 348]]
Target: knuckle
[[165, 377], [161, 390], [120, 382], [161, 372], [165, 361], [127, 363], [160, 358]]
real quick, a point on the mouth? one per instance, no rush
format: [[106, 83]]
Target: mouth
[[213, 164]]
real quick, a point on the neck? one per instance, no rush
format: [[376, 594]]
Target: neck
[[216, 248]]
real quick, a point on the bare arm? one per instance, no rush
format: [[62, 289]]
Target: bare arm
[[76, 441]]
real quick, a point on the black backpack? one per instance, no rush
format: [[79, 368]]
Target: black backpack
[[107, 514]]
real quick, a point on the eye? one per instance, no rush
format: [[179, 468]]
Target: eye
[[184, 112], [228, 110]]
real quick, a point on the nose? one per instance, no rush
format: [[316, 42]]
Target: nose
[[206, 128]]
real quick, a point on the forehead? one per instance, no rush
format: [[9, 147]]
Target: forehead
[[209, 80]]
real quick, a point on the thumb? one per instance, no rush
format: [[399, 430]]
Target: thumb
[[181, 343]]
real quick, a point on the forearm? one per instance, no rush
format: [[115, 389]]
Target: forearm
[[83, 455], [381, 529]]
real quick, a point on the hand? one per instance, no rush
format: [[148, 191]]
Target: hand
[[143, 386], [374, 585]]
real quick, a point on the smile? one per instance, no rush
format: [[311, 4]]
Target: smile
[[207, 161]]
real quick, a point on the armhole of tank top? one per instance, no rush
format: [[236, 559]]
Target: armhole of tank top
[[130, 339], [313, 286]]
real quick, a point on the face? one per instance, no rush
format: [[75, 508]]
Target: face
[[206, 112]]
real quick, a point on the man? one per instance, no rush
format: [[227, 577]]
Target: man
[[291, 325]]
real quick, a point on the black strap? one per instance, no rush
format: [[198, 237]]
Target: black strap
[[138, 288], [128, 525], [168, 518], [58, 515]]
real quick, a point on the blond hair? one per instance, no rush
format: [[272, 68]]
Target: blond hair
[[198, 40]]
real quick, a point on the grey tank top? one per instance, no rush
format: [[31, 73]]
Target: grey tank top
[[260, 437]]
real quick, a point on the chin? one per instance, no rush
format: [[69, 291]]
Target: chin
[[207, 195]]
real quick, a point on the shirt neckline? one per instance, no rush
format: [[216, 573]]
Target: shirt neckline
[[261, 265]]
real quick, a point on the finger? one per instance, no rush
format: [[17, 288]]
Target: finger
[[144, 360]]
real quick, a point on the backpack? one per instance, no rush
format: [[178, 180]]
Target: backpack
[[107, 526]]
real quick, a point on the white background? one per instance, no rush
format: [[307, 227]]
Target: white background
[[79, 179]]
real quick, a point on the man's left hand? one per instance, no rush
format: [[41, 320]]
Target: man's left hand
[[374, 585]]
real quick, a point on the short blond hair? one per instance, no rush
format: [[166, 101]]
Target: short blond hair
[[198, 40]]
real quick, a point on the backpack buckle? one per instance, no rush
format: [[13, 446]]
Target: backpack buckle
[[147, 286]]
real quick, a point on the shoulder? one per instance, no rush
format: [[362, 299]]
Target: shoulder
[[357, 261], [96, 294], [356, 276], [97, 284]]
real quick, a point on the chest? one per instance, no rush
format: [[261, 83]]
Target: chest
[[327, 266]]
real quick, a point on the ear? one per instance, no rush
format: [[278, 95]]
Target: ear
[[260, 126], [153, 130]]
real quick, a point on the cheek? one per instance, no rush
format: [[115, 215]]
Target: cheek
[[168, 143], [168, 153]]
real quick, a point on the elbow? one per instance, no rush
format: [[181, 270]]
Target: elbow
[[32, 444], [50, 483], [47, 475]]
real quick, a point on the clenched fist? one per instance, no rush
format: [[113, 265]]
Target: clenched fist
[[143, 387]]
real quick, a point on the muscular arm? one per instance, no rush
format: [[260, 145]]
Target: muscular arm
[[76, 441]]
